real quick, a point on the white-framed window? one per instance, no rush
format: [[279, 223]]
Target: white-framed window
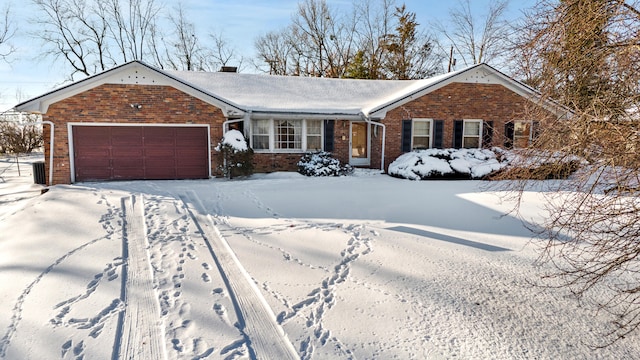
[[279, 135], [288, 134], [523, 133], [260, 133], [313, 129], [421, 131], [472, 134]]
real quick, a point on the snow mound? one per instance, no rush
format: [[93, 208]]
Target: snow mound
[[447, 163], [235, 140]]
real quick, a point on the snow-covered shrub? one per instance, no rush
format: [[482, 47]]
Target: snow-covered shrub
[[322, 164], [235, 156], [447, 164], [540, 165]]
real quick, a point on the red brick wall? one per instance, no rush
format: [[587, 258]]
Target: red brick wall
[[112, 104], [166, 105], [456, 101]]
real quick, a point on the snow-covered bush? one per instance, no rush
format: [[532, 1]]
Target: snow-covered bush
[[540, 165], [235, 156], [448, 164], [322, 164]]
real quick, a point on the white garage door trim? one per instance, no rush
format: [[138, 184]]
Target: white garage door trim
[[73, 124]]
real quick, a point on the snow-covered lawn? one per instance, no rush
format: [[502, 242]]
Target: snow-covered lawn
[[279, 266]]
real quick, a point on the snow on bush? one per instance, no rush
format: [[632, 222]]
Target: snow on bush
[[322, 164], [235, 156], [447, 164], [541, 164], [235, 139]]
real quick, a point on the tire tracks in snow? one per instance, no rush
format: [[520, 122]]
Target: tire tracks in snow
[[264, 336], [321, 300], [172, 251], [139, 334]]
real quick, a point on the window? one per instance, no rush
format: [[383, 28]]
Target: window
[[314, 134], [287, 135], [471, 134], [523, 133], [260, 134], [421, 134]]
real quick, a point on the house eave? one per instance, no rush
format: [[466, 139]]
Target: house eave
[[132, 73], [465, 76]]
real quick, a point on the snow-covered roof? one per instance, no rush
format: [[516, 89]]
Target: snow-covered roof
[[237, 93], [295, 94]]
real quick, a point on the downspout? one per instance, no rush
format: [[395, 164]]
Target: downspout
[[384, 136], [50, 151]]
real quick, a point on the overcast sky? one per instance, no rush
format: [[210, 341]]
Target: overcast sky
[[239, 21]]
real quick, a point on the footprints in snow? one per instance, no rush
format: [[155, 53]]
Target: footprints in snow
[[174, 247], [320, 300], [77, 351]]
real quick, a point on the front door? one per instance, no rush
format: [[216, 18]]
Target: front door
[[359, 155]]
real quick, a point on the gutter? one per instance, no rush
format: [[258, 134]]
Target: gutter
[[368, 120], [51, 142]]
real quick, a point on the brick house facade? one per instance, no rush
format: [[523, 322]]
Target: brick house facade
[[134, 101]]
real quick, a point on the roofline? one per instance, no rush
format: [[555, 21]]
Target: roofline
[[549, 104], [39, 99], [306, 114], [409, 96], [185, 83]]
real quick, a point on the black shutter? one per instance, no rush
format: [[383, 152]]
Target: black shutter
[[458, 127], [406, 135], [328, 135], [508, 135], [535, 129], [487, 134], [438, 133]]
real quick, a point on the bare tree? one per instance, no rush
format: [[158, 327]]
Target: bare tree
[[323, 40], [478, 39], [317, 43], [586, 58], [130, 24], [92, 36], [364, 42], [183, 52], [20, 135], [222, 53], [376, 23], [7, 31], [276, 50]]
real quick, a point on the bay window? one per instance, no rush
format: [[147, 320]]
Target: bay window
[[286, 135]]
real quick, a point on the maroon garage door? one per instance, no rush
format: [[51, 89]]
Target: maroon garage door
[[140, 152]]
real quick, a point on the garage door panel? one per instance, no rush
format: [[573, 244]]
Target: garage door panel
[[125, 163], [91, 136], [126, 136], [140, 152], [128, 173], [164, 152], [127, 152], [159, 136], [89, 174]]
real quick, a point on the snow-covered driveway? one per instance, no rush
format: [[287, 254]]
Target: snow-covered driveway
[[280, 265]]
